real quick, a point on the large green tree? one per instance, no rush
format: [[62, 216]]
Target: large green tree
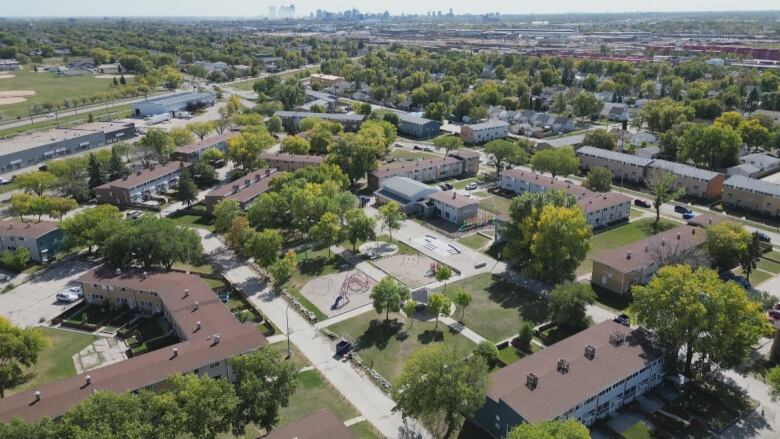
[[391, 216], [727, 243], [568, 429], [84, 228], [556, 161], [662, 186], [264, 247], [389, 295], [503, 152], [568, 302], [359, 227], [19, 349]]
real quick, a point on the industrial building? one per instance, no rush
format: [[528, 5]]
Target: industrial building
[[141, 185], [42, 239], [586, 377], [35, 148], [244, 190], [187, 101], [418, 127]]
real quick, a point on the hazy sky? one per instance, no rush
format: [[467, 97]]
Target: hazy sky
[[252, 8]]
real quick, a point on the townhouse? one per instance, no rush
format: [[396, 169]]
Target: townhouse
[[623, 166], [193, 151], [454, 208], [244, 190], [470, 159], [289, 162], [423, 170], [585, 377], [746, 193], [418, 127], [141, 185], [41, 239]]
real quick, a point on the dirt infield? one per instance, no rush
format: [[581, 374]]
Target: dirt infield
[[113, 76], [14, 96], [323, 291], [411, 270], [6, 76]]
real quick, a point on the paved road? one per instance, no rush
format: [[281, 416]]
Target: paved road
[[370, 401]]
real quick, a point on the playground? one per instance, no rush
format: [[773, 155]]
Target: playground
[[338, 293], [412, 270], [438, 246]]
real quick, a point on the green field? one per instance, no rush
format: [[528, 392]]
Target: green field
[[403, 153], [619, 236], [475, 241], [495, 204], [48, 87], [497, 307], [247, 85], [117, 112], [54, 362]]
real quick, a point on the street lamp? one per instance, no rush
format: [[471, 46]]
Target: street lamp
[[287, 318]]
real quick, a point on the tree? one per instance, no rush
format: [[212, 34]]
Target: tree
[[224, 212], [264, 247], [599, 179], [282, 270], [19, 348], [391, 217], [568, 429], [200, 129], [274, 124], [245, 148], [264, 383], [661, 115], [327, 230], [203, 173], [116, 167], [389, 296], [159, 142], [110, 415], [359, 227], [15, 260], [558, 242], [752, 255], [295, 145], [661, 185], [448, 143], [21, 204], [568, 303], [82, 229], [727, 243], [181, 136], [186, 190], [773, 378], [503, 152], [586, 104], [600, 138], [209, 405], [524, 336], [438, 385], [36, 181], [462, 299], [59, 206], [556, 161], [438, 305], [709, 145], [698, 311], [753, 133], [354, 156], [488, 352], [150, 241], [410, 307], [239, 233]]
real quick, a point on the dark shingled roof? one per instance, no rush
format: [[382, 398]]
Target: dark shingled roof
[[30, 230], [682, 238], [319, 425]]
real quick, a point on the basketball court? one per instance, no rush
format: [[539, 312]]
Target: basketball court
[[338, 293]]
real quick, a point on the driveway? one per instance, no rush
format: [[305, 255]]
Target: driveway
[[33, 301]]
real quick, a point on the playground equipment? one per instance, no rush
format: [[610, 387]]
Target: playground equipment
[[432, 269], [355, 283]]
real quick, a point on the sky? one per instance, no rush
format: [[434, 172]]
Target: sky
[[255, 8]]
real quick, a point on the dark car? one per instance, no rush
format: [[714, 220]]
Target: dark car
[[763, 237], [687, 216], [445, 186], [622, 319], [641, 203], [343, 347], [682, 209]]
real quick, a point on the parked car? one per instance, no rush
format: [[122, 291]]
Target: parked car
[[74, 290], [224, 297], [446, 187], [622, 319], [66, 297], [428, 148], [4, 180], [471, 186], [133, 214], [773, 315], [343, 347], [763, 237], [641, 203], [688, 216], [681, 209]]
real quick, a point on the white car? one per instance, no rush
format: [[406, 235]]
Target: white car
[[75, 290], [66, 297], [471, 186]]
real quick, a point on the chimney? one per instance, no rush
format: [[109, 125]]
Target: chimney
[[531, 381], [144, 275], [37, 395], [628, 254], [197, 326], [267, 172], [186, 292], [174, 352], [562, 366], [197, 305], [258, 177], [216, 339], [647, 248], [139, 172], [590, 351], [89, 379], [663, 242], [454, 194], [693, 231], [247, 181], [235, 187]]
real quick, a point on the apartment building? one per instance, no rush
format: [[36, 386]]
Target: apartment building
[[292, 119], [289, 162], [423, 170], [758, 196], [210, 335], [141, 185], [485, 131], [586, 377], [324, 80], [42, 239], [600, 209], [619, 269], [193, 151], [454, 208], [470, 159], [622, 166], [697, 182], [244, 190], [418, 127]]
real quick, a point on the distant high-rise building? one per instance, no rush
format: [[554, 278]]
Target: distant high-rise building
[[451, 14], [286, 11], [272, 12]]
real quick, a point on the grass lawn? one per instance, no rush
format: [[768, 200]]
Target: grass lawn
[[495, 204], [403, 153], [475, 241], [117, 112], [619, 236], [364, 430], [386, 345], [497, 307], [54, 361], [636, 213], [203, 267], [640, 430], [509, 355], [770, 266], [247, 85], [314, 393], [298, 359], [190, 220], [756, 277], [403, 248], [48, 87], [461, 184]]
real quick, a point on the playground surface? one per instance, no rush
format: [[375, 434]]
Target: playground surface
[[413, 271], [438, 246], [353, 286], [378, 249]]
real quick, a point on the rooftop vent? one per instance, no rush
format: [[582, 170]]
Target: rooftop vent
[[139, 172], [617, 338], [174, 352], [186, 292], [197, 325], [89, 379], [590, 351], [197, 305], [647, 248], [693, 231], [216, 338], [678, 236], [37, 395], [663, 242], [118, 271], [144, 275], [531, 381], [247, 181], [562, 366], [628, 255]]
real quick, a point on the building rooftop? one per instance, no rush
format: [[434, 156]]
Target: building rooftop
[[206, 143], [329, 116], [405, 190], [414, 119], [394, 168], [753, 185], [319, 425], [761, 160], [299, 158], [12, 227], [464, 153], [41, 138], [556, 392], [683, 170], [488, 125], [560, 142], [639, 254], [614, 155], [189, 301], [140, 177], [452, 198], [178, 98], [105, 126], [603, 200], [247, 187]]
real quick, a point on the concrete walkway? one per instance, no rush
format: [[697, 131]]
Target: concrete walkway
[[462, 329], [372, 403]]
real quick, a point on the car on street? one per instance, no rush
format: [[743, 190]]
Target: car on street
[[4, 180], [445, 186], [622, 319], [428, 149], [681, 209], [641, 203], [66, 297], [133, 214], [688, 216], [763, 237], [471, 186]]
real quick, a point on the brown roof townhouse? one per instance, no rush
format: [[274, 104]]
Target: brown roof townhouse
[[318, 425], [290, 162], [141, 185], [453, 207], [586, 377], [619, 269], [193, 151], [423, 170], [759, 196], [210, 335], [244, 190]]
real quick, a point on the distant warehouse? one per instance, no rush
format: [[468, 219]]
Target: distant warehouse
[[31, 149], [179, 102]]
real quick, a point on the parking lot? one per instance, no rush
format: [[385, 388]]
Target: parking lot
[[29, 303]]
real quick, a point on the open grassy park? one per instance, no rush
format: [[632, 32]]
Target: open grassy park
[[497, 307], [48, 87], [55, 361]]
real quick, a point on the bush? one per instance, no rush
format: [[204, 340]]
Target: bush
[[524, 336], [15, 260]]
